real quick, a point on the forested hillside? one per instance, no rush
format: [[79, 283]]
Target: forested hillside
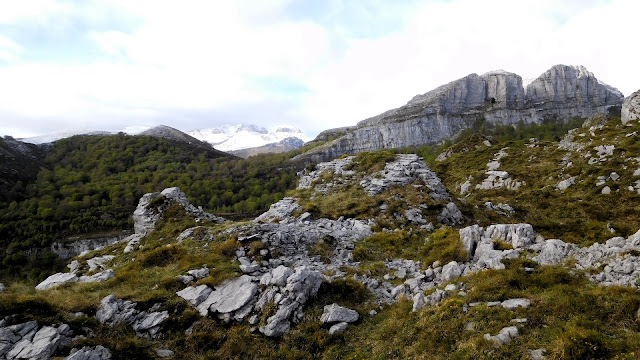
[[93, 183]]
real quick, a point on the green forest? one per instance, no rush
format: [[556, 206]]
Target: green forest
[[93, 183]]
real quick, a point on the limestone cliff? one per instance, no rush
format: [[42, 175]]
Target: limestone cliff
[[561, 93]]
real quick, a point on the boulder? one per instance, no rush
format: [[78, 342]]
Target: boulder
[[280, 275], [42, 344], [553, 252], [57, 280], [98, 277], [90, 353], [230, 296], [504, 336], [279, 211], [98, 262], [451, 215], [515, 303], [338, 328], [335, 313], [195, 295], [451, 271]]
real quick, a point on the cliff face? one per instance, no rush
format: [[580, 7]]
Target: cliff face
[[561, 93]]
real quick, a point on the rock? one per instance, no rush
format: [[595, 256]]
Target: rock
[[301, 286], [537, 354], [470, 237], [451, 215], [518, 235], [69, 249], [230, 296], [502, 209], [115, 311], [504, 336], [280, 275], [414, 215], [163, 353], [564, 184], [515, 303], [146, 216], [2, 287], [98, 352], [606, 190], [199, 273], [335, 313], [563, 92], [338, 328], [279, 211], [406, 169], [98, 262], [418, 302], [56, 280], [631, 108], [553, 252], [195, 295], [98, 277], [451, 271], [185, 279], [41, 344]]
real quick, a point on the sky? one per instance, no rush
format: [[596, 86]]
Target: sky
[[314, 64]]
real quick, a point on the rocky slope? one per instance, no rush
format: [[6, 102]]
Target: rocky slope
[[378, 255], [561, 93]]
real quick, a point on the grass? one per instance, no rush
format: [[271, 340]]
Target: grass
[[579, 214]]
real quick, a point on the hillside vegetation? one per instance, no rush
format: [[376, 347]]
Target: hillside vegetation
[[93, 183]]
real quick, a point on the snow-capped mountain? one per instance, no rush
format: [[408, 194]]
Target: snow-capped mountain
[[237, 137]]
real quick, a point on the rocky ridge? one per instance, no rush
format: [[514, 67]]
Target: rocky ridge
[[561, 93]]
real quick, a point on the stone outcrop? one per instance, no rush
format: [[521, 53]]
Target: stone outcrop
[[631, 107], [561, 93], [115, 311], [98, 352], [147, 213], [28, 341], [335, 313], [69, 249]]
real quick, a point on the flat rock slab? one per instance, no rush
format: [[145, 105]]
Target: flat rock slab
[[230, 296], [56, 280], [335, 313]]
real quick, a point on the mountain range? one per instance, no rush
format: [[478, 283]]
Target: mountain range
[[244, 139]]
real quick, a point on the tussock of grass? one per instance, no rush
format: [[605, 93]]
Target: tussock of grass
[[370, 162]]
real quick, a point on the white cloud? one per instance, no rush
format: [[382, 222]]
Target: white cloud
[[182, 61]]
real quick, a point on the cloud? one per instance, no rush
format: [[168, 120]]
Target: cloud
[[318, 66]]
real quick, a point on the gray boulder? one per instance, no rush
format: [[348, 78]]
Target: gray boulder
[[451, 215], [338, 328], [335, 313], [451, 271], [57, 280], [516, 303], [115, 311], [98, 352], [504, 336], [98, 277], [230, 296], [41, 344], [553, 252], [301, 286], [279, 211], [195, 295], [280, 275]]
